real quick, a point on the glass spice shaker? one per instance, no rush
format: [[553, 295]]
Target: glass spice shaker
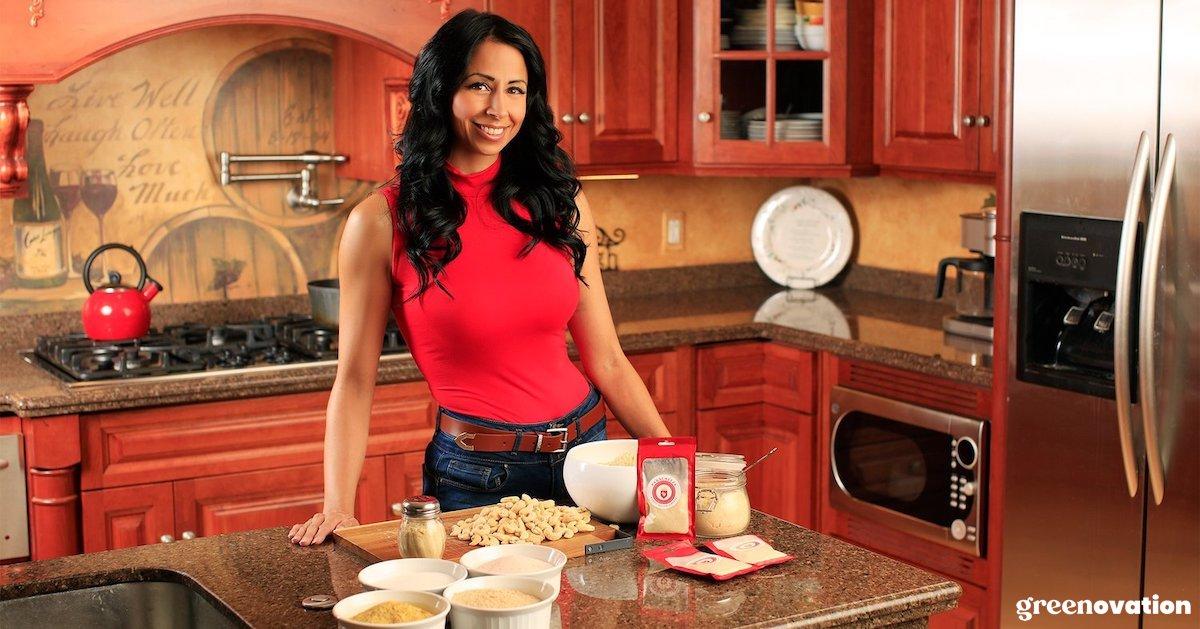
[[422, 533]]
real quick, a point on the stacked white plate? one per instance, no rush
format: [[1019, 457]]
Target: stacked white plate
[[750, 29], [731, 125], [805, 127]]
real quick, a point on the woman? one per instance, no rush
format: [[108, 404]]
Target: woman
[[484, 251]]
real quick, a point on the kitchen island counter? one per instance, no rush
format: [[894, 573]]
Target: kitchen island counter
[[262, 578]]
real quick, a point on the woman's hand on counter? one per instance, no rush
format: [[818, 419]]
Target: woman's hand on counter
[[318, 527]]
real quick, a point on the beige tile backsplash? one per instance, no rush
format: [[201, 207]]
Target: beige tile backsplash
[[903, 225]]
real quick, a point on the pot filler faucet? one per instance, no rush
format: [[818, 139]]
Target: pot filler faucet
[[302, 197]]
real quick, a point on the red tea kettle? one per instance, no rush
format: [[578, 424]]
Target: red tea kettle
[[115, 312]]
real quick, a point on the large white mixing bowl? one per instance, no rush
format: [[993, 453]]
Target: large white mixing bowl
[[608, 491]]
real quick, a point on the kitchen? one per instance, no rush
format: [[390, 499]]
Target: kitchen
[[900, 117]]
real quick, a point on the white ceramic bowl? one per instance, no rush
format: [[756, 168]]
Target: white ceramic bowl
[[351, 606], [532, 616], [811, 36], [474, 559], [608, 491], [391, 574]]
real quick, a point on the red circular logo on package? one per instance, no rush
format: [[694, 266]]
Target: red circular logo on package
[[664, 491]]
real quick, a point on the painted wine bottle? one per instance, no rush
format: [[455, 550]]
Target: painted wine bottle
[[38, 224]]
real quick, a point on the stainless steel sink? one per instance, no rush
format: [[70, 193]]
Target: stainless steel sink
[[142, 605]]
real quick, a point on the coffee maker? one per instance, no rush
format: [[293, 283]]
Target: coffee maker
[[973, 282]]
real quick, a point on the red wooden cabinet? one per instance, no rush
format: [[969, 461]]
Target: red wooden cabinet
[[277, 497], [220, 467], [740, 373], [971, 612], [755, 396], [613, 72], [370, 106], [783, 484], [123, 517], [668, 378], [404, 478], [936, 85], [625, 61], [743, 87]]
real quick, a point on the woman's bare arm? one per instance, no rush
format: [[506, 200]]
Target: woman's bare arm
[[365, 292], [604, 361]]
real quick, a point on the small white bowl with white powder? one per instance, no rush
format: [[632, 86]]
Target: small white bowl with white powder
[[500, 603], [524, 560], [416, 575]]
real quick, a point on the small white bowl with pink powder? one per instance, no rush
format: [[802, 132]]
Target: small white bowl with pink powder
[[516, 560]]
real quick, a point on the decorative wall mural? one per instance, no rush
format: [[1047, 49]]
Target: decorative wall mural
[[126, 151]]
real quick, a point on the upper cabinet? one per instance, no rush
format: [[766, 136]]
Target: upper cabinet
[[937, 93], [613, 68], [796, 97], [626, 91]]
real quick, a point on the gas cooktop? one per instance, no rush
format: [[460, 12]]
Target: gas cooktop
[[192, 348]]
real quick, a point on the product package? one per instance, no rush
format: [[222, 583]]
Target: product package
[[750, 549], [684, 557], [666, 487]]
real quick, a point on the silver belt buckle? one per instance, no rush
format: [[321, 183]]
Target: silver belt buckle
[[465, 446], [562, 432]]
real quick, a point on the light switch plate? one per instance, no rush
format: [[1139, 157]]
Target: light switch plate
[[673, 230], [14, 514]]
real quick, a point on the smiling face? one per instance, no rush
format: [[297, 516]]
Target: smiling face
[[488, 106]]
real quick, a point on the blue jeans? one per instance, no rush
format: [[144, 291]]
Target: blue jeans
[[461, 479]]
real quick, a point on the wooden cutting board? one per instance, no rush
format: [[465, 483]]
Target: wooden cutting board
[[377, 542]]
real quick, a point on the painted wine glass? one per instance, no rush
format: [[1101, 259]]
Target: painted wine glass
[[66, 184], [98, 192]]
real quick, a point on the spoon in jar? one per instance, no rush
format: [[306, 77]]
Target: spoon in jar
[[760, 460]]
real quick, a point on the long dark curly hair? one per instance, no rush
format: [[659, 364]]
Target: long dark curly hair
[[534, 170]]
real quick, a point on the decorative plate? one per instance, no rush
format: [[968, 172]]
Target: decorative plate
[[802, 237], [804, 310]]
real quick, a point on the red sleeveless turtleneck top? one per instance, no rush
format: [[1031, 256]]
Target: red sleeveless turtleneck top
[[497, 348]]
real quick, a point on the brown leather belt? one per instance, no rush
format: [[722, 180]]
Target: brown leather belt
[[483, 439]]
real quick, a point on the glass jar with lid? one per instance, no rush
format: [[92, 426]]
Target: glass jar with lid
[[722, 504], [422, 533]]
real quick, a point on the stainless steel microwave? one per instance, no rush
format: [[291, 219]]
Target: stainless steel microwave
[[910, 468]]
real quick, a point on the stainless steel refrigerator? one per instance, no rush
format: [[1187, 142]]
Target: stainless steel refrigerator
[[1102, 475]]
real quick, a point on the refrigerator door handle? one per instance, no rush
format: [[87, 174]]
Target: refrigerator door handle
[[1122, 340], [1147, 352]]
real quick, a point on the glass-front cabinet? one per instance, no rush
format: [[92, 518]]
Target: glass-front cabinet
[[785, 96]]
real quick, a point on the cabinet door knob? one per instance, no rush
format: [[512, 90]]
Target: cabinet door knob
[[4, 464], [397, 509], [166, 539], [968, 121], [189, 535], [584, 118], [567, 118], [983, 121], [704, 116]]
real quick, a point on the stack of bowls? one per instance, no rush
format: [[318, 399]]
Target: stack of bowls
[[750, 28]]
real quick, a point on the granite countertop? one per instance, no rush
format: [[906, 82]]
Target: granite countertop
[[262, 578], [900, 332]]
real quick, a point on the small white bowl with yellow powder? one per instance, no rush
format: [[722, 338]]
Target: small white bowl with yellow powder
[[601, 477], [392, 609], [500, 603], [516, 560]]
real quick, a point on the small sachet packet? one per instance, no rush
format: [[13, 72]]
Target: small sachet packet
[[666, 487], [684, 557], [750, 549]]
